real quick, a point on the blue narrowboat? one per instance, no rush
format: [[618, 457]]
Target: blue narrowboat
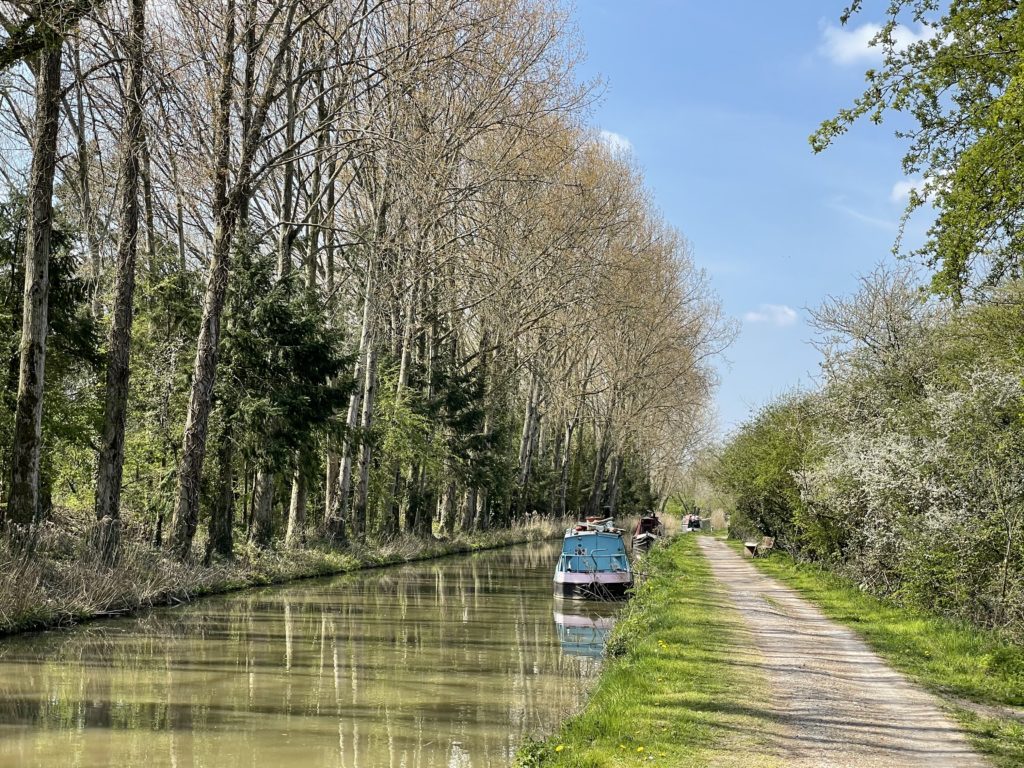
[[593, 564]]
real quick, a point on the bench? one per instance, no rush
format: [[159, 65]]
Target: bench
[[759, 549]]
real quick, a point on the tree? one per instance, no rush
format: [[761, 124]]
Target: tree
[[38, 26], [23, 504], [961, 84], [111, 459]]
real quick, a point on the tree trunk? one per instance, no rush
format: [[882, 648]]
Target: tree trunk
[[337, 513], [85, 189], [593, 508], [222, 515], [527, 443], [613, 484], [111, 458], [332, 468], [296, 533], [286, 227], [23, 505], [262, 531], [426, 505], [448, 511], [563, 484], [391, 523], [190, 470], [469, 510], [366, 452]]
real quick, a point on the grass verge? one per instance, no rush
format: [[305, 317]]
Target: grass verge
[[674, 690], [978, 673], [63, 582]]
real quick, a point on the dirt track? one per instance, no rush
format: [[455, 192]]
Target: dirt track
[[835, 702]]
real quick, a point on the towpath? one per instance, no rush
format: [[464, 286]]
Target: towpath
[[834, 702]]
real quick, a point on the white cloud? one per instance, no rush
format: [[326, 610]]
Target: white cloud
[[616, 142], [852, 45], [772, 314], [901, 190]]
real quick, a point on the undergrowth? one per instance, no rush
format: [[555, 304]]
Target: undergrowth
[[61, 579]]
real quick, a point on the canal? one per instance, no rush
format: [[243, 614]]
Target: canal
[[448, 662]]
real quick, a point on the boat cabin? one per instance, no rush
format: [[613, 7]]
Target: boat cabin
[[593, 551]]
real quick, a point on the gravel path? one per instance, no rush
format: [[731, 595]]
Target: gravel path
[[836, 703]]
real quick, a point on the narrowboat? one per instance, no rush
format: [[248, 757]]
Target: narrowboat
[[648, 530], [593, 564]]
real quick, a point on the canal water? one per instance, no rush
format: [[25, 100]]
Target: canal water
[[448, 662]]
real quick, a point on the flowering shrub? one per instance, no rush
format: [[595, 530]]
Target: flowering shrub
[[905, 471]]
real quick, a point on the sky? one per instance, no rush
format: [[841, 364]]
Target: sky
[[716, 101]]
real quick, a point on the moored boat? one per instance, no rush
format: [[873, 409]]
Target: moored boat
[[593, 564], [648, 530]]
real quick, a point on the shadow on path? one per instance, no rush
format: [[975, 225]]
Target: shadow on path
[[834, 702]]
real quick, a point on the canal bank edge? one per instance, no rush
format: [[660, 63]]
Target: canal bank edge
[[57, 595], [672, 692]]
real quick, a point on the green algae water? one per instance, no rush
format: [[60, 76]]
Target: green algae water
[[443, 663]]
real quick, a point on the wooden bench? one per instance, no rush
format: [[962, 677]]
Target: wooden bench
[[759, 549]]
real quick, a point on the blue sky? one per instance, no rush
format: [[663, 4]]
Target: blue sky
[[717, 101]]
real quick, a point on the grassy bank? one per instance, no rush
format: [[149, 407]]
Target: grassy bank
[[978, 673], [63, 582], [672, 692]]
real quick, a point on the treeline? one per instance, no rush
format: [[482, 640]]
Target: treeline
[[905, 470], [331, 269]]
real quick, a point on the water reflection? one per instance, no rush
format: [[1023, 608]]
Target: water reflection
[[443, 663], [583, 629]]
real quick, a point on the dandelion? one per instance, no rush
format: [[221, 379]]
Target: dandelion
[[639, 749], [560, 747]]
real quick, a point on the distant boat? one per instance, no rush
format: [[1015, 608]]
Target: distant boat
[[648, 530], [593, 564]]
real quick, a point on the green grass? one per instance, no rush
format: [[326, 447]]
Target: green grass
[[674, 690], [959, 662]]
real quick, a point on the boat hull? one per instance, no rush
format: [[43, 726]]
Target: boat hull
[[643, 541], [586, 586]]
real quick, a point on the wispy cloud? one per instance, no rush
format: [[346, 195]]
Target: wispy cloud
[[778, 315], [874, 221], [616, 142], [852, 45]]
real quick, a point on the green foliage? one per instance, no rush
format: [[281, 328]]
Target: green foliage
[[962, 85], [72, 410], [166, 321], [914, 490], [281, 369], [759, 468]]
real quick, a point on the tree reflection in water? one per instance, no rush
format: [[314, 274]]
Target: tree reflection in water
[[449, 662]]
